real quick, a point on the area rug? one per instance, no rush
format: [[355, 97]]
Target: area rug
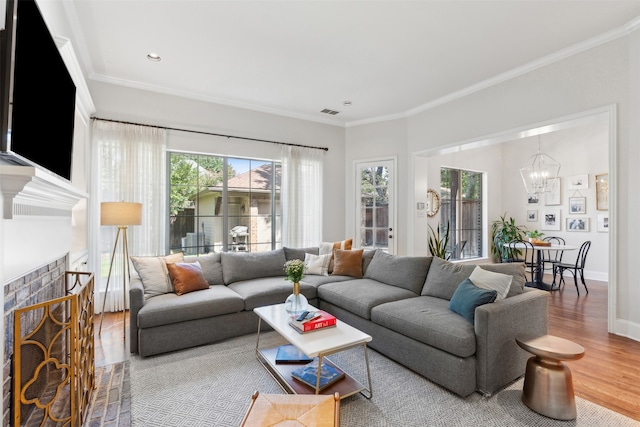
[[212, 386]]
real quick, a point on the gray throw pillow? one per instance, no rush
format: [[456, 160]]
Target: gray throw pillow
[[444, 277], [237, 266], [408, 272]]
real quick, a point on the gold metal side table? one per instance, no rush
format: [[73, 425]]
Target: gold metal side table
[[548, 385]]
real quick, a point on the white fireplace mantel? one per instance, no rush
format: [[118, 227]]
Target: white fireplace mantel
[[33, 192]]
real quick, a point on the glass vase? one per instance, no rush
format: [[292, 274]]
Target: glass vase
[[296, 303]]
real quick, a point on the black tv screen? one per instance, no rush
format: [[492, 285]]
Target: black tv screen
[[41, 114]]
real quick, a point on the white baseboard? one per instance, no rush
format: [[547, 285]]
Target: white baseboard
[[592, 275], [627, 329]]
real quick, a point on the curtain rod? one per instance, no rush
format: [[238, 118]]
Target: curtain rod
[[211, 133]]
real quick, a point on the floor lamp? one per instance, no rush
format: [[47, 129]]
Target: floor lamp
[[120, 214]]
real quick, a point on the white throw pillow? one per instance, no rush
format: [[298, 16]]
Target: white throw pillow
[[154, 273], [317, 264], [493, 281]]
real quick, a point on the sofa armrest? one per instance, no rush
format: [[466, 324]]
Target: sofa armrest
[[136, 301], [499, 360]]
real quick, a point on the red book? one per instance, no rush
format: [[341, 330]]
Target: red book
[[322, 320]]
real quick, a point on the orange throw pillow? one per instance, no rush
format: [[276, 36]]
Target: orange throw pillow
[[347, 263], [187, 277]]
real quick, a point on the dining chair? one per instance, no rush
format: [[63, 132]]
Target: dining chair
[[548, 256], [575, 268], [523, 251]]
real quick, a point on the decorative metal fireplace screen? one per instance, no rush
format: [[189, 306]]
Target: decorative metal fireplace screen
[[54, 371]]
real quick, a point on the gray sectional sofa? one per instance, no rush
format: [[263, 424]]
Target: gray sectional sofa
[[404, 303]]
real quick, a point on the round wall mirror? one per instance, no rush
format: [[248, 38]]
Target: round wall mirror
[[433, 202]]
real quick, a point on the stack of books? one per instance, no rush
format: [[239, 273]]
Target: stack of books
[[317, 320], [308, 375]]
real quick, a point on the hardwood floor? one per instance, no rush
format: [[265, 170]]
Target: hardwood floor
[[608, 374]]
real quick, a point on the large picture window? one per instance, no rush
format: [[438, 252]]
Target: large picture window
[[461, 208], [220, 204]]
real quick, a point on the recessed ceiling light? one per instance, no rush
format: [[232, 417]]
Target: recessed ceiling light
[[153, 57], [347, 103]]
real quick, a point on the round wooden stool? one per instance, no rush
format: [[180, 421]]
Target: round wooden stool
[[548, 386]]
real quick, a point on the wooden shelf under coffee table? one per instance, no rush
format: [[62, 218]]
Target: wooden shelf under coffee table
[[319, 343]]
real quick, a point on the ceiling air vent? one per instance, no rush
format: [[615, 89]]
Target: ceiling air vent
[[328, 111]]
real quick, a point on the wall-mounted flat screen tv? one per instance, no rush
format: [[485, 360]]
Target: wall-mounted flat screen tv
[[38, 94]]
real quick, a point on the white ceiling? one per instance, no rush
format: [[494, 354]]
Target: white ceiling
[[389, 58]]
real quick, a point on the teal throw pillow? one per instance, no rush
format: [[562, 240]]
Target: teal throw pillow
[[467, 297]]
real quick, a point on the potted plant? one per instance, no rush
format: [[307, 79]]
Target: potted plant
[[438, 242], [535, 237], [503, 231]]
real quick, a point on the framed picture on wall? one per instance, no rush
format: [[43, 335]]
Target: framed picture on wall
[[602, 192], [578, 182], [552, 197], [532, 199], [577, 205], [577, 224], [603, 223], [551, 220], [532, 216]]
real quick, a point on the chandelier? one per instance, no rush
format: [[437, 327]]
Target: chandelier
[[539, 173]]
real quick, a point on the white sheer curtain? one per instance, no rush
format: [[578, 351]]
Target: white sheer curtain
[[301, 196], [127, 164]]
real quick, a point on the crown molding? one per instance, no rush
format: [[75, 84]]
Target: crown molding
[[588, 44]]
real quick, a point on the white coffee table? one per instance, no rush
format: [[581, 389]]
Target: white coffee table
[[319, 343]]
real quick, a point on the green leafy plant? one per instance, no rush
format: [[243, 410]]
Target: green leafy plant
[[503, 231], [534, 234], [438, 242], [295, 269]]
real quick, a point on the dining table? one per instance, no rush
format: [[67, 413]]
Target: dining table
[[538, 278]]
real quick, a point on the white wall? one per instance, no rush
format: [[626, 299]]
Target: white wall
[[122, 103], [605, 75]]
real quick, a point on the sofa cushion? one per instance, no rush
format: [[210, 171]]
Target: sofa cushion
[[347, 263], [316, 281], [187, 277], [428, 320], [444, 277], [170, 308], [268, 290], [299, 253], [252, 265], [401, 271], [514, 269], [211, 267], [468, 297], [317, 265], [490, 280], [367, 257], [154, 273], [359, 296]]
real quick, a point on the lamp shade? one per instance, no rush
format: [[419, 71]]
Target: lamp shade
[[120, 213]]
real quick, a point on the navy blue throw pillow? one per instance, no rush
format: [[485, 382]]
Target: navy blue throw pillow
[[467, 297]]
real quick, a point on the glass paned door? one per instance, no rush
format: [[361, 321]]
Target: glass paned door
[[375, 206]]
